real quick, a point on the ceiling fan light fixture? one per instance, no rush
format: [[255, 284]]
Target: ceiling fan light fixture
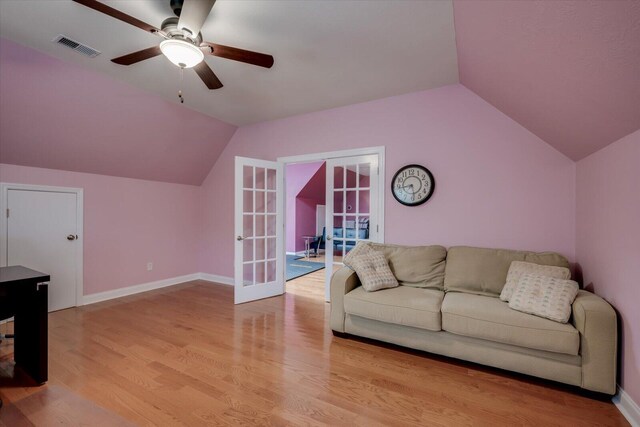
[[182, 53]]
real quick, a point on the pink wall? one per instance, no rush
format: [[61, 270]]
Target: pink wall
[[58, 115], [316, 187], [608, 240], [307, 200], [498, 185], [305, 220], [297, 176], [127, 223]]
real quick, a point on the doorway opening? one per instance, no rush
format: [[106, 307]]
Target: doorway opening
[[353, 211], [305, 231], [323, 225]]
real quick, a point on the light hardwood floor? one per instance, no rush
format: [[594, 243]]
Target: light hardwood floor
[[312, 284], [185, 355]]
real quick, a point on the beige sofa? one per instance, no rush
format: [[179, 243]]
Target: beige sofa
[[448, 303]]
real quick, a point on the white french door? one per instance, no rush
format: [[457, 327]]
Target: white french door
[[259, 230], [352, 208]]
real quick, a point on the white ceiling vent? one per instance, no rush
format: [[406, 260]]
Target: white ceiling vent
[[77, 46]]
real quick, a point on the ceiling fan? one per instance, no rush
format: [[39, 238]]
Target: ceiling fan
[[183, 44]]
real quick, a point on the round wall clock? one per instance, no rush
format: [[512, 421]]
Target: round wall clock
[[412, 185]]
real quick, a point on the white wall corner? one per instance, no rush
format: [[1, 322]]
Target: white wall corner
[[215, 278], [627, 407]]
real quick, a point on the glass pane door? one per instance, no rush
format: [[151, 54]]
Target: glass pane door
[[352, 190], [259, 260]]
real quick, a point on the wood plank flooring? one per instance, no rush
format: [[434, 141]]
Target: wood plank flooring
[[310, 285], [185, 355]]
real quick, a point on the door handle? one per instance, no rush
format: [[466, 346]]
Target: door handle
[[239, 238], [329, 237], [72, 237]]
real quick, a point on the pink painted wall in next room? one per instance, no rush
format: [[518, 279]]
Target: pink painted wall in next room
[[307, 201], [127, 223], [297, 176], [497, 184], [608, 241]]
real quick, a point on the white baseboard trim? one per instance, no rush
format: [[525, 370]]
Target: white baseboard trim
[[223, 280], [136, 289], [144, 287], [627, 407], [301, 253]]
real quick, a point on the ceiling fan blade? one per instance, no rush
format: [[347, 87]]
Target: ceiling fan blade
[[193, 15], [207, 76], [138, 56], [254, 58], [114, 13]]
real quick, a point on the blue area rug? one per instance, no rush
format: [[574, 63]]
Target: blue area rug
[[298, 268]]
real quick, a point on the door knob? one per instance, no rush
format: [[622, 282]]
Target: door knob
[[329, 237], [239, 238], [72, 237]]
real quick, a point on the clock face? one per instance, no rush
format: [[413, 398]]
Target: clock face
[[412, 185]]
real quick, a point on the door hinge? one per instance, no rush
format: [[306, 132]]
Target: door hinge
[[377, 228], [7, 212]]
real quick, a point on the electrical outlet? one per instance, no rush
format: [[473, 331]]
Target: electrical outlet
[[149, 266]]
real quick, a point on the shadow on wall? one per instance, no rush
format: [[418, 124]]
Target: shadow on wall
[[622, 342]]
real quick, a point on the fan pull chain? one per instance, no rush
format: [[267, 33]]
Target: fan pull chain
[[180, 97]]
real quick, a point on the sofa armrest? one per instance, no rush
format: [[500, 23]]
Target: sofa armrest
[[343, 281], [596, 321]]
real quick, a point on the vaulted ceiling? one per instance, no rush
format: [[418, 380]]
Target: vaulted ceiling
[[567, 71], [60, 116], [327, 53]]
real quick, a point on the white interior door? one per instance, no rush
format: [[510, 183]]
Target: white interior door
[[352, 208], [259, 230], [42, 228]]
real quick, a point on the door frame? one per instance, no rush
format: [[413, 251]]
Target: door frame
[[323, 156], [4, 226]]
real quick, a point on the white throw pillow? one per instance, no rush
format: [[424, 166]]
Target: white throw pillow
[[353, 253], [373, 269], [518, 268], [544, 296]]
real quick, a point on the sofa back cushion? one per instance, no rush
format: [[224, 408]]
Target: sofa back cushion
[[483, 271], [417, 266]]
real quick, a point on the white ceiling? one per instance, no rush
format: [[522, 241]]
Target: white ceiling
[[327, 53]]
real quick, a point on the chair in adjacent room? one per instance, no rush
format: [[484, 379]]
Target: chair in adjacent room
[[318, 243]]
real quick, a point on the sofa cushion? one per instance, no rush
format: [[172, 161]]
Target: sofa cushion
[[519, 268], [489, 318], [417, 266], [484, 271], [544, 296], [373, 269], [403, 305], [360, 248]]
